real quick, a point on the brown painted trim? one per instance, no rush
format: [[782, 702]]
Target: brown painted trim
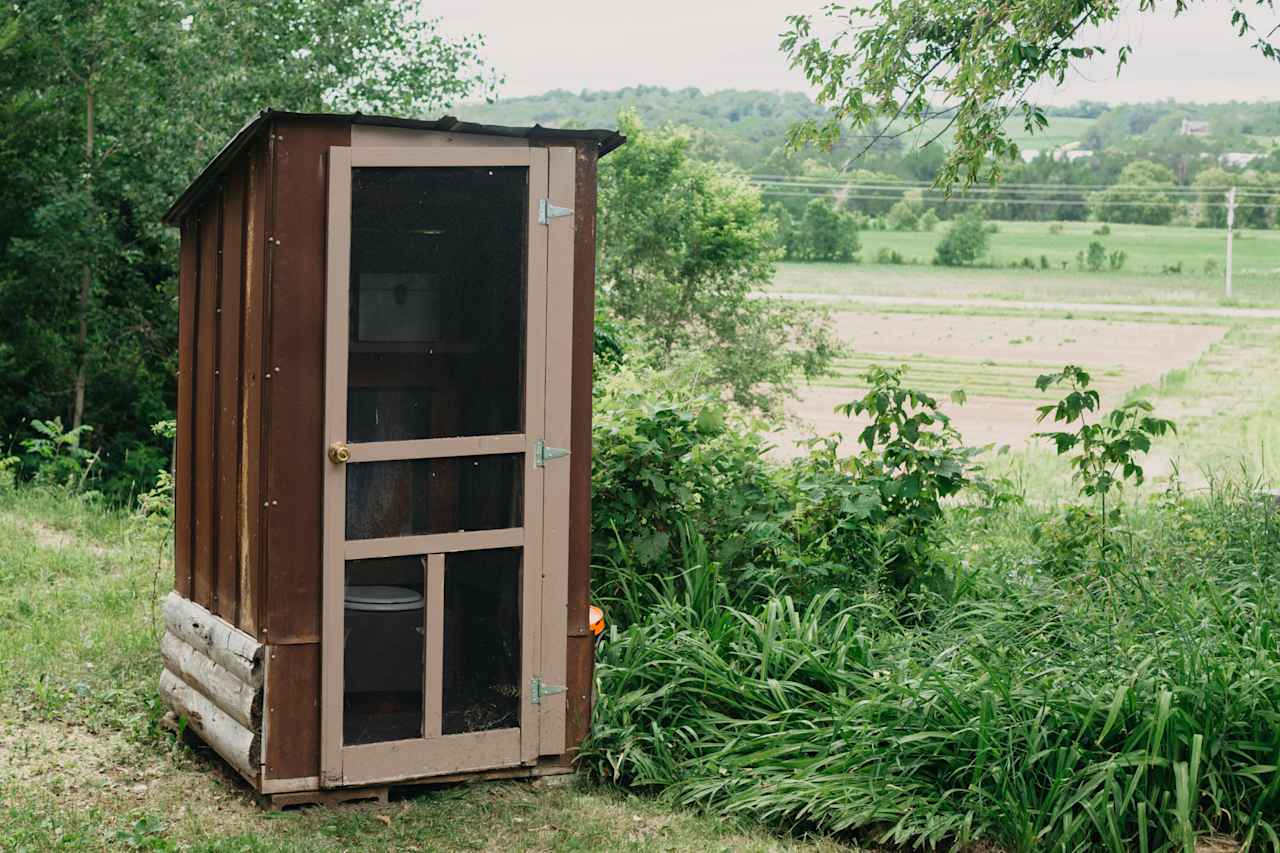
[[433, 543], [438, 448]]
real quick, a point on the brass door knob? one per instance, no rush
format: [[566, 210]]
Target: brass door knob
[[339, 453]]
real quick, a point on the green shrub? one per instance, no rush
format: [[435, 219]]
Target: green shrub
[[1096, 257], [827, 233], [889, 256], [55, 456], [1031, 711], [929, 220], [903, 216], [666, 459], [964, 242]]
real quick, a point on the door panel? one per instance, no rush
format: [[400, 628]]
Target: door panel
[[437, 509]]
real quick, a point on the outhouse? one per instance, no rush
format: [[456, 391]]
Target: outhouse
[[383, 451]]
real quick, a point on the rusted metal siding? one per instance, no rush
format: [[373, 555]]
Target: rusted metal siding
[[226, 581], [219, 338], [581, 645], [294, 384], [252, 425], [206, 392], [292, 747], [183, 453]]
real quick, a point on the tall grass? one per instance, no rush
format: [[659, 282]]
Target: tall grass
[[1128, 705]]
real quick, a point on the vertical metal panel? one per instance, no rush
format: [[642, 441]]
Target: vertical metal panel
[[555, 542], [226, 590], [249, 476], [292, 711], [206, 390], [579, 677], [294, 385], [183, 452]]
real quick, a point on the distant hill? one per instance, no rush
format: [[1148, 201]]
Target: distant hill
[[744, 127]]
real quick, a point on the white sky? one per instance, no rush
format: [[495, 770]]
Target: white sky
[[733, 44]]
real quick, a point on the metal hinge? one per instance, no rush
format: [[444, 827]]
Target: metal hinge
[[548, 211], [537, 690], [541, 453]]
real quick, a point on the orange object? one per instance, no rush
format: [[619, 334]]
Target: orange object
[[597, 620]]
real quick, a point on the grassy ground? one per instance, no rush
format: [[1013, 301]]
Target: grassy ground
[[83, 767], [1149, 250], [1062, 130]]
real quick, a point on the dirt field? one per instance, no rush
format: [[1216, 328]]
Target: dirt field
[[995, 360]]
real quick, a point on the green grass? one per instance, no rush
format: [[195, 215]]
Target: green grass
[[939, 376], [1049, 698], [1148, 248], [1062, 130], [84, 767]]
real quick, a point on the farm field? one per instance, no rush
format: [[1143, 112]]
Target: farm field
[[1213, 375], [995, 361], [1148, 249], [1062, 130]]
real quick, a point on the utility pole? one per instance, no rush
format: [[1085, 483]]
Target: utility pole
[[1231, 227]]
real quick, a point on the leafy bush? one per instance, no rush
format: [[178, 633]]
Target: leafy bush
[[684, 246], [827, 233], [929, 220], [667, 460], [889, 256], [1116, 260], [1028, 712], [1055, 228], [903, 216], [55, 455], [1102, 230], [1104, 453], [964, 242], [1096, 257]]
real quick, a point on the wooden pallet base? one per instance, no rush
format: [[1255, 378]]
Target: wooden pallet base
[[545, 773], [338, 796]]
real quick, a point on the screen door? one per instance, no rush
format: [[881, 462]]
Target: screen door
[[446, 492]]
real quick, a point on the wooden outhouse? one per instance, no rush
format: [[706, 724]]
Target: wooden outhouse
[[383, 454]]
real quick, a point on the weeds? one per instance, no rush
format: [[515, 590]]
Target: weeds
[[1035, 712]]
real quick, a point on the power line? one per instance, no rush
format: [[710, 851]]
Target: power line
[[1028, 201], [1187, 194], [988, 192], [918, 184]]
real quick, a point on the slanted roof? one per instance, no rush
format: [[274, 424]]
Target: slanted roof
[[605, 140]]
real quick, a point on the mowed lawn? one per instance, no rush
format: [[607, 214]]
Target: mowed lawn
[[1149, 250], [83, 765]]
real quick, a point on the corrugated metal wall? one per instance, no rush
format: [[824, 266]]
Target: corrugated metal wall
[[220, 311]]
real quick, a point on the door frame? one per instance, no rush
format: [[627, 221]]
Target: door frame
[[544, 535]]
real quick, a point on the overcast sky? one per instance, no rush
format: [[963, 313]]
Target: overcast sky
[[733, 44]]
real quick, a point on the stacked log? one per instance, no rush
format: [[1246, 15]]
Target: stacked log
[[213, 679]]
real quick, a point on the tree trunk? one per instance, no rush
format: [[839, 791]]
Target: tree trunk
[[86, 274]]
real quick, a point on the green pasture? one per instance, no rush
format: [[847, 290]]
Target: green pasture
[[1062, 130], [1148, 249]]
